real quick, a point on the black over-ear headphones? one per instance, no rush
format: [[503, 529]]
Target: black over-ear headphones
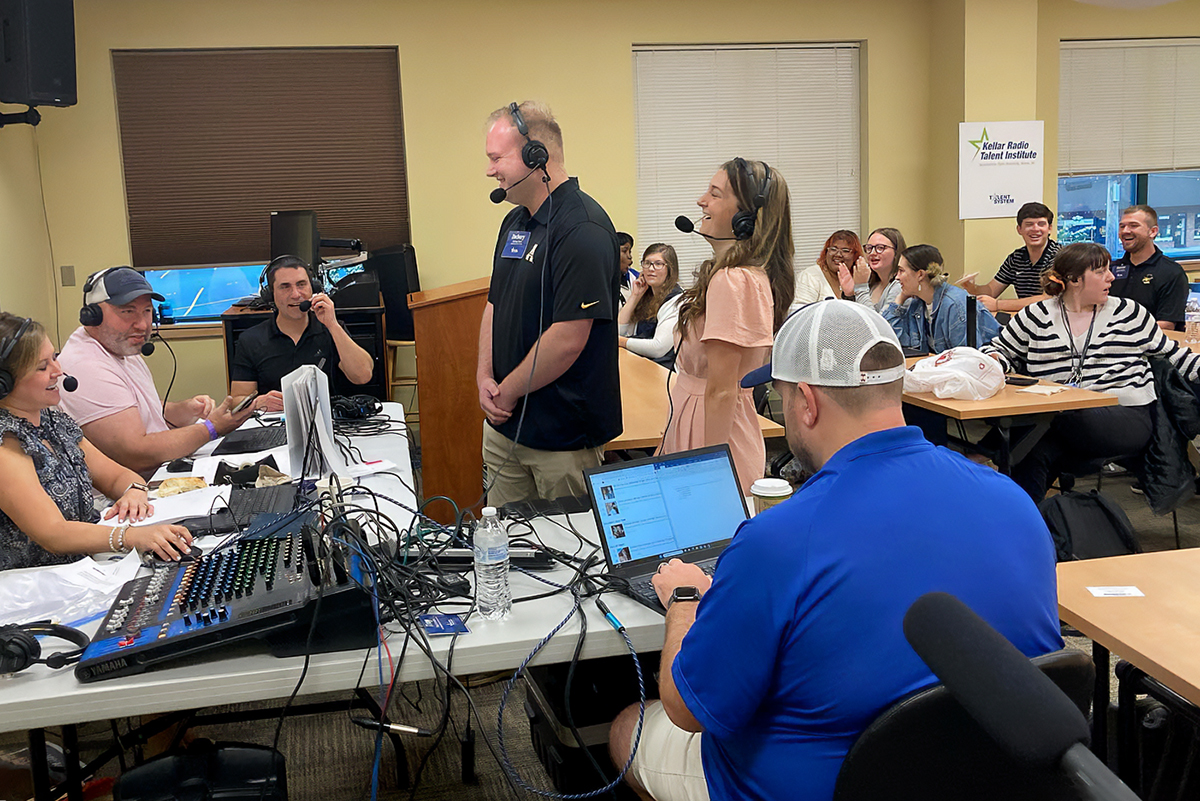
[[19, 647], [91, 314], [743, 221], [7, 379], [267, 295], [533, 153]]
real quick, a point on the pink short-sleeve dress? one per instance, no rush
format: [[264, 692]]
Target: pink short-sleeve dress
[[739, 310]]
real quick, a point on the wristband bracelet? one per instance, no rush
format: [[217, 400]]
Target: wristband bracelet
[[212, 430], [121, 539], [137, 485]]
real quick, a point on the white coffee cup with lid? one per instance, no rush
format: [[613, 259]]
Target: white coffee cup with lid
[[768, 492]]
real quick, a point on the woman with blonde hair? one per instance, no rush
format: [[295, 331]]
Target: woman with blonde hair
[[934, 318], [47, 516], [646, 323], [728, 318]]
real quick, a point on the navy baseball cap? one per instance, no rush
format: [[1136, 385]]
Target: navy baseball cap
[[118, 286]]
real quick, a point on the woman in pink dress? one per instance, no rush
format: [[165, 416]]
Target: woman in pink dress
[[729, 316]]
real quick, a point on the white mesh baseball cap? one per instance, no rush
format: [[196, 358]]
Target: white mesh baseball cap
[[823, 344]]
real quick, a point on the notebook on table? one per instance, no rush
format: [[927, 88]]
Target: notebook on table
[[681, 506]]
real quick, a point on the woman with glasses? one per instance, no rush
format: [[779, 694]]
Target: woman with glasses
[[930, 314], [728, 317], [646, 323], [820, 281], [873, 282]]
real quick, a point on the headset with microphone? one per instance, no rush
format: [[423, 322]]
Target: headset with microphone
[[744, 220], [534, 154], [7, 379], [91, 315], [19, 647], [265, 291]]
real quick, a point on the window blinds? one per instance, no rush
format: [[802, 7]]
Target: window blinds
[[794, 106], [1129, 106], [213, 141]]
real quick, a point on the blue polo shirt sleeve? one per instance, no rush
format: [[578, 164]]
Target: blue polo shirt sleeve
[[584, 268], [728, 659]]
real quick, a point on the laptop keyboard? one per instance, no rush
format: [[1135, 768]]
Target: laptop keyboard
[[644, 586], [248, 440]]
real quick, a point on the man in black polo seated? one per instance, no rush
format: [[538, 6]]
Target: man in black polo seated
[[1144, 274], [294, 337]]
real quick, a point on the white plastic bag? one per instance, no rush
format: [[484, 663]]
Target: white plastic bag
[[962, 373]]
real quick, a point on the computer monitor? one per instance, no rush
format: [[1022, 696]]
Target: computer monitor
[[294, 233]]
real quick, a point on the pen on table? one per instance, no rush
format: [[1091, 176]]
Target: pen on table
[[612, 619]]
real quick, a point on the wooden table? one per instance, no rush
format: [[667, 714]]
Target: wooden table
[[1002, 409], [1178, 336], [645, 408], [1158, 633]]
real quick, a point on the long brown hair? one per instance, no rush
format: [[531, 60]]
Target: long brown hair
[[894, 236], [24, 354], [647, 308], [770, 248]]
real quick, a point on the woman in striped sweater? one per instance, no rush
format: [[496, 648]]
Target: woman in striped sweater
[[1083, 337]]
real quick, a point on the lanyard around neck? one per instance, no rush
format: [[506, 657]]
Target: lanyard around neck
[[1077, 356]]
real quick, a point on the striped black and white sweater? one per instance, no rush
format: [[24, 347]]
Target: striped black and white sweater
[[1124, 335]]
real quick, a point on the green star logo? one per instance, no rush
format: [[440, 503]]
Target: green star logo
[[978, 143]]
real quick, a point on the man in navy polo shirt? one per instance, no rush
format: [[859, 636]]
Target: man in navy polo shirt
[[547, 371], [797, 644], [1144, 274]]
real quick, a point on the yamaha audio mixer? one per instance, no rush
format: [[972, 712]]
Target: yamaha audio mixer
[[265, 585]]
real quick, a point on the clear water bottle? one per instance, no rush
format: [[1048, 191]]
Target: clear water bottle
[[1191, 323], [492, 593]]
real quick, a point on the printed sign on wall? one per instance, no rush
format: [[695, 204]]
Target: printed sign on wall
[[1000, 166]]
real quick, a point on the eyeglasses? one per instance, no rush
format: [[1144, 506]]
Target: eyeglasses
[[877, 248], [657, 265], [841, 251]]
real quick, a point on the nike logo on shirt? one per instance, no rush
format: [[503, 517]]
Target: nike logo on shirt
[[588, 305]]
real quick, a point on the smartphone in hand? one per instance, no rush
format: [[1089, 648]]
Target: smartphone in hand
[[244, 403]]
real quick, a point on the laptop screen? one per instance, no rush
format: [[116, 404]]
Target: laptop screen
[[667, 506]]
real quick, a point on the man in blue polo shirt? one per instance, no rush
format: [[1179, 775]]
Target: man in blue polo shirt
[[796, 645]]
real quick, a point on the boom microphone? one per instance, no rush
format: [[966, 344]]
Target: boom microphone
[[500, 193], [1014, 702], [305, 305], [689, 227], [147, 348], [70, 383]]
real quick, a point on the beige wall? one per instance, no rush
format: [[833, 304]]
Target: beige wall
[[24, 246], [927, 64]]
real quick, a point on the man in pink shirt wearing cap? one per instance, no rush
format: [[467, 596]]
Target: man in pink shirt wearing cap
[[116, 403]]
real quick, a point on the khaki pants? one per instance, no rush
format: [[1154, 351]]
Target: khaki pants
[[529, 473]]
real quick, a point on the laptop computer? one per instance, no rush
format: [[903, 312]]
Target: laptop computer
[[681, 506]]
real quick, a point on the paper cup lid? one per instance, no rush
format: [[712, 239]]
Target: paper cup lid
[[771, 487]]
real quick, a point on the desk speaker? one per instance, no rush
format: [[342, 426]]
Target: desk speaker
[[37, 52]]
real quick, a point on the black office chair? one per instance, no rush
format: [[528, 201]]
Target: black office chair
[[926, 746]]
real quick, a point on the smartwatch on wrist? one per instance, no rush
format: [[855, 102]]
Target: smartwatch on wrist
[[683, 594]]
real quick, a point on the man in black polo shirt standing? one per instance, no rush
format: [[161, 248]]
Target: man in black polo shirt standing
[[547, 372], [1144, 274], [294, 337], [1024, 266]]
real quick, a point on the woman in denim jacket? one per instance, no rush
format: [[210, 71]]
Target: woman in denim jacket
[[930, 314]]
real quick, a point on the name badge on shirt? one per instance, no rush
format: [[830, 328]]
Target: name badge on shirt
[[1120, 271], [515, 247]]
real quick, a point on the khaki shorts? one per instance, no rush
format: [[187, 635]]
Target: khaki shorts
[[521, 473], [667, 763]]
